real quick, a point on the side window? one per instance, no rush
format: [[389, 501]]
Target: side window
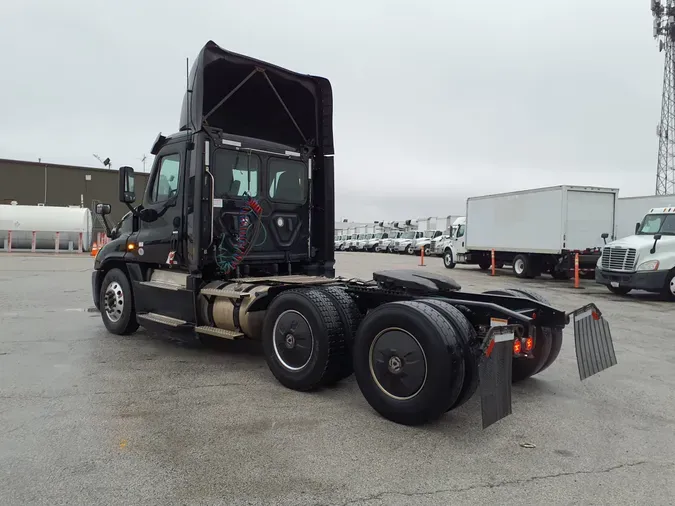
[[125, 225], [460, 232], [235, 173], [287, 180], [165, 184]]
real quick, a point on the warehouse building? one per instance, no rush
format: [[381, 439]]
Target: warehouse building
[[40, 183]]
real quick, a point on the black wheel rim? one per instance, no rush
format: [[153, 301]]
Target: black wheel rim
[[398, 364], [293, 340]]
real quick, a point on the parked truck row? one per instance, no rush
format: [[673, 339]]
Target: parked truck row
[[625, 243]]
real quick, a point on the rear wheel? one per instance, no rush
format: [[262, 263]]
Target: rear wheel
[[467, 336], [484, 265], [524, 368], [350, 318], [117, 303], [408, 362], [522, 267], [303, 339], [555, 335]]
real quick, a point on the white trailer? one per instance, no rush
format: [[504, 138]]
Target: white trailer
[[631, 210], [538, 230]]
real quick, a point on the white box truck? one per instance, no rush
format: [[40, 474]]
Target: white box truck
[[631, 210], [536, 231], [644, 260]]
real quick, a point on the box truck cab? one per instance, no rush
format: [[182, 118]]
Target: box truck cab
[[644, 261]]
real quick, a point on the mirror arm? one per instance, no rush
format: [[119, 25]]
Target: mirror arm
[[108, 230]]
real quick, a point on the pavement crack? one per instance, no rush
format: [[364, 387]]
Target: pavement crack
[[519, 481]]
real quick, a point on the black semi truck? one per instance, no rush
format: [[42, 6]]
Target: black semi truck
[[233, 239]]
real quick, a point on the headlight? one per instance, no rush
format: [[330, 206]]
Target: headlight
[[650, 265]]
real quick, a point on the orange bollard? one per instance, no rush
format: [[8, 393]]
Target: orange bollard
[[422, 257], [9, 241], [494, 264], [576, 270]]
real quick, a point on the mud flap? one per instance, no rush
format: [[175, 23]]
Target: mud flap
[[494, 373], [592, 341]]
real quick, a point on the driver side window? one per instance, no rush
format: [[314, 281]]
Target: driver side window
[[460, 231], [165, 184]]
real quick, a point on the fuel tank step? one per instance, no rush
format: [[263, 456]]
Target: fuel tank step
[[160, 318], [159, 284], [214, 331], [224, 293]]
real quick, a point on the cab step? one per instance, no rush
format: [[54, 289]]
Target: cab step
[[217, 292], [162, 319], [214, 331]]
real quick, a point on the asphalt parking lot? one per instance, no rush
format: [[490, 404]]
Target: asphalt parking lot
[[91, 418]]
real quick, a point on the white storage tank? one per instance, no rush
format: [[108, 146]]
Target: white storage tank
[[46, 221]]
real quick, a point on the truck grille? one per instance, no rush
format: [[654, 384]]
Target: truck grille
[[432, 246], [618, 259]]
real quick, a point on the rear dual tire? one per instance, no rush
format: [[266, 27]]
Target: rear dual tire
[[307, 337], [409, 362], [548, 342]]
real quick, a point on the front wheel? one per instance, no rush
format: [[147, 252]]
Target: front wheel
[[117, 303], [409, 249], [669, 287], [448, 259]]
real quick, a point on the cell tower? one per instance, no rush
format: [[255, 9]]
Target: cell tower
[[664, 33]]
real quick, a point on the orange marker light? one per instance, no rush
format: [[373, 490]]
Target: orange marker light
[[517, 346], [529, 344], [131, 246]]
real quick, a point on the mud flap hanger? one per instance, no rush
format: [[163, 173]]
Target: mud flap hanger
[[594, 352], [276, 93]]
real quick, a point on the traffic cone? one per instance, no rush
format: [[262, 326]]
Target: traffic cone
[[94, 249]]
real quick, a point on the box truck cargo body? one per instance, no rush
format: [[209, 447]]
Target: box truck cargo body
[[631, 210], [538, 230]]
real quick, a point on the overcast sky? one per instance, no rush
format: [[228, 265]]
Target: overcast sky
[[435, 101]]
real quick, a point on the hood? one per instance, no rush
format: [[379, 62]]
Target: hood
[[248, 97], [641, 241]]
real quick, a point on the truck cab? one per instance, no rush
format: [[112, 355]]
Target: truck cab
[[406, 244], [643, 261], [424, 243]]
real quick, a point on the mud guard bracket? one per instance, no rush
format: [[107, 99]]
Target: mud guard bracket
[[592, 341], [495, 372]]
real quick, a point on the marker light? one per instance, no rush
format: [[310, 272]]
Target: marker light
[[517, 346], [529, 344]]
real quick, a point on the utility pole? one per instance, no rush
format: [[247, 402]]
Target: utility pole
[[664, 32]]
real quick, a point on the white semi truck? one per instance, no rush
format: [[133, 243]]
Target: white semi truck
[[535, 231], [644, 260]]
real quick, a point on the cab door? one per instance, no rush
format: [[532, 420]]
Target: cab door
[[161, 219]]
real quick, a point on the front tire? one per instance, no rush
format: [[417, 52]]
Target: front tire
[[408, 362], [117, 303], [669, 287], [448, 259], [304, 340], [410, 250]]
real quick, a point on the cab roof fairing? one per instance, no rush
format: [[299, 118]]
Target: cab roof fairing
[[253, 108]]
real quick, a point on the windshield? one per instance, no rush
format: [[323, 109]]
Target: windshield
[[658, 224], [429, 234], [378, 236], [408, 235]]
